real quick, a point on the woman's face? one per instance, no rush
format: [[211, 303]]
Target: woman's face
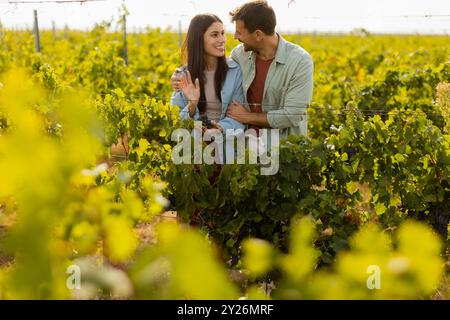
[[214, 40]]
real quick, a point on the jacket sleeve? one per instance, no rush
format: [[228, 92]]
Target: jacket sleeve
[[238, 95], [178, 99], [297, 98]]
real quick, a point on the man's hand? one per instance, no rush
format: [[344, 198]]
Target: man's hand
[[237, 112]]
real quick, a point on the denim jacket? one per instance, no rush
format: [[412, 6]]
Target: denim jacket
[[231, 91]]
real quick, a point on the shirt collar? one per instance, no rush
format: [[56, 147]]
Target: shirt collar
[[280, 55]]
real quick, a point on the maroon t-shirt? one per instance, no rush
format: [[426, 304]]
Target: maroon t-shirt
[[255, 93]]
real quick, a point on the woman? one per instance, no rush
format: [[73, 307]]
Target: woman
[[210, 82]]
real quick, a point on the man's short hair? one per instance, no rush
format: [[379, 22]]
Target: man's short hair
[[256, 15]]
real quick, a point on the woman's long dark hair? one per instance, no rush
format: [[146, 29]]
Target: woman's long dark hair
[[194, 55]]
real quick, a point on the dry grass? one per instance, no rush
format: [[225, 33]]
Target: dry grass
[[5, 260], [146, 230], [443, 292]]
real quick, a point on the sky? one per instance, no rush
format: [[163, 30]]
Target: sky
[[378, 16]]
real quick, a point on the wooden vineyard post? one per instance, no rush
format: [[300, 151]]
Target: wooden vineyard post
[[54, 30], [125, 44], [180, 34], [2, 37], [37, 40]]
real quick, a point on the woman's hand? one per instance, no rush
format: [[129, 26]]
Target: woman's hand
[[190, 90], [216, 125]]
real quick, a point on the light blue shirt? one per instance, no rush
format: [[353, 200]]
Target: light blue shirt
[[231, 91]]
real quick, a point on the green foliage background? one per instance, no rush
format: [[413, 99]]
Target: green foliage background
[[377, 155]]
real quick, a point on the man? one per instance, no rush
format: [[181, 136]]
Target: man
[[277, 74]]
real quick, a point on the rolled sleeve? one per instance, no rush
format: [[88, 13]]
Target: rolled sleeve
[[184, 114], [178, 99], [228, 123]]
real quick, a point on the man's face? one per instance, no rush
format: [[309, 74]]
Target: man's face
[[245, 37]]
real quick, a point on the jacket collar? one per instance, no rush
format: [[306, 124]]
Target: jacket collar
[[232, 64]]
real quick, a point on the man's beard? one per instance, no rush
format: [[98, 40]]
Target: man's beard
[[248, 48]]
